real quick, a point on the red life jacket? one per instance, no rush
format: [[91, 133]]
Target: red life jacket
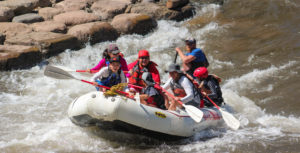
[[136, 77]]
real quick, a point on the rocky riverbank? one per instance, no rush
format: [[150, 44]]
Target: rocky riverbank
[[34, 30]]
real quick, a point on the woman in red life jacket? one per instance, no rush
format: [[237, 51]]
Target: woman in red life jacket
[[209, 86], [182, 88], [152, 95], [138, 67]]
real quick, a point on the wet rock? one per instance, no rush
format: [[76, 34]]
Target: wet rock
[[94, 32], [107, 9], [2, 38], [49, 26], [172, 4], [49, 43], [18, 56], [6, 14], [133, 23], [24, 6], [160, 11], [28, 18], [75, 17], [11, 29], [48, 12]]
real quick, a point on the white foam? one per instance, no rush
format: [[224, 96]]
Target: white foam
[[252, 79]]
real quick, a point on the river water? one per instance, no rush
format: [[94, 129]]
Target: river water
[[254, 45]]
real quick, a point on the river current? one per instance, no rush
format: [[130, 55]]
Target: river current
[[253, 45]]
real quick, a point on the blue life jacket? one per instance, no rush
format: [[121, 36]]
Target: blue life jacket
[[112, 79]]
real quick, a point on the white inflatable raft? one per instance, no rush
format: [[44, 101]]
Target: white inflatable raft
[[94, 106]]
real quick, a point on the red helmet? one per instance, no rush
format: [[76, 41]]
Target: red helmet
[[201, 72], [143, 53]]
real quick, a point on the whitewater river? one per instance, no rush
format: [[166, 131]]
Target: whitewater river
[[254, 45]]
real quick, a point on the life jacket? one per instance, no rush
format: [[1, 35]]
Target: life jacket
[[112, 79], [179, 91], [158, 99], [136, 77], [219, 98]]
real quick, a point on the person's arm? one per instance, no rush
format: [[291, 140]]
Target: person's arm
[[188, 88], [99, 65], [167, 85], [184, 58], [102, 73]]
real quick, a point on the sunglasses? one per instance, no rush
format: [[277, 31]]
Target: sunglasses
[[144, 57]]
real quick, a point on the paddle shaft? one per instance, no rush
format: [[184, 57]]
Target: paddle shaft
[[92, 71], [175, 57]]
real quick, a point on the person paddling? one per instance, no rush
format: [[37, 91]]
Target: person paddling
[[194, 58], [152, 95], [111, 51], [110, 75], [209, 86], [138, 67], [182, 88]]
